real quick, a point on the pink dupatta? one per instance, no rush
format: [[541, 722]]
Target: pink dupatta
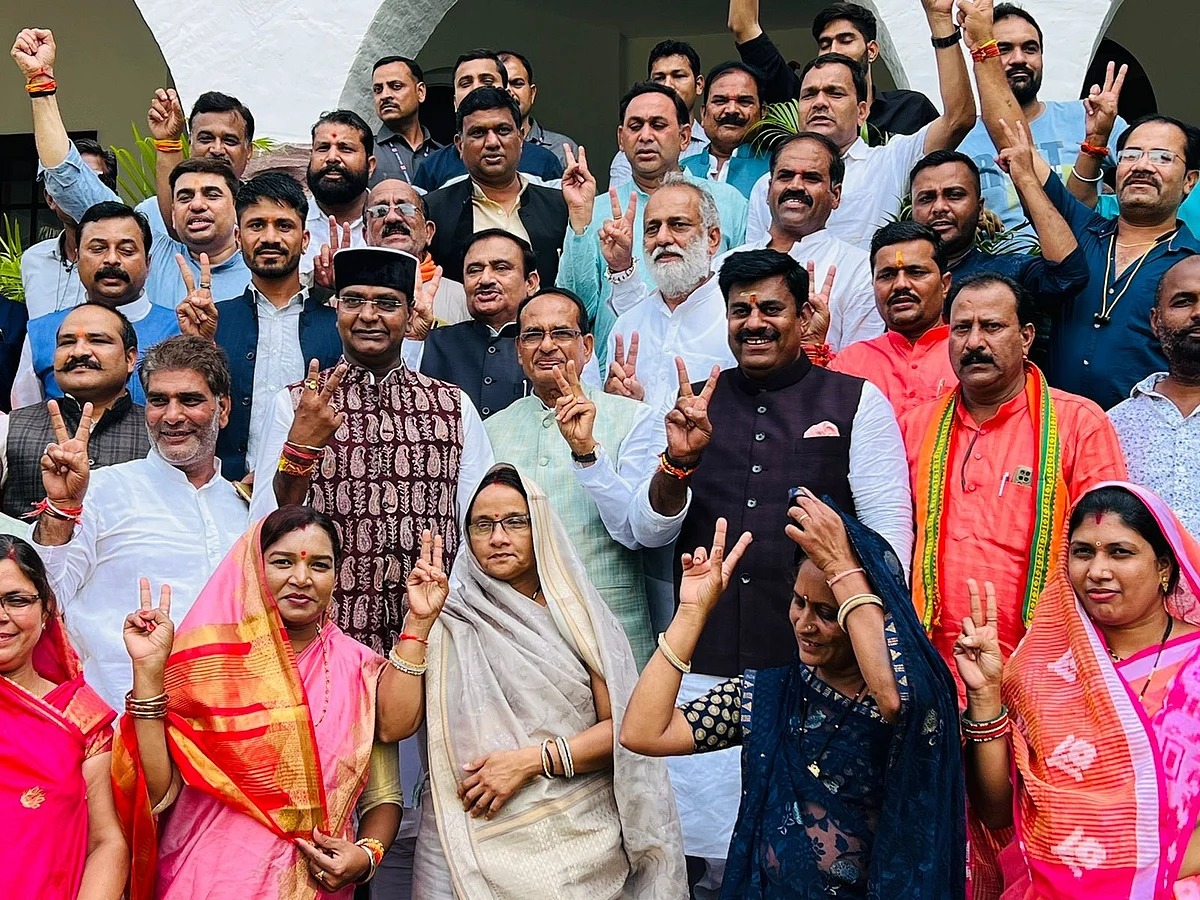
[[44, 742], [1107, 797]]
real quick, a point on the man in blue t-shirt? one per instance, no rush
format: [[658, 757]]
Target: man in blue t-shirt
[[1058, 126]]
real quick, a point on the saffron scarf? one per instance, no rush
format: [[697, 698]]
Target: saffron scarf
[[44, 742], [239, 727], [929, 495], [1107, 796]]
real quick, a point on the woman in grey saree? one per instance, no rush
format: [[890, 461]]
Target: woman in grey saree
[[525, 653]]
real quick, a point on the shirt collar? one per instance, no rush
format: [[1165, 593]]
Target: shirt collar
[[932, 336], [697, 297], [177, 474], [297, 299], [858, 150], [478, 194], [387, 135], [1007, 410], [315, 214], [783, 379], [537, 134], [356, 374], [138, 309], [1149, 386]]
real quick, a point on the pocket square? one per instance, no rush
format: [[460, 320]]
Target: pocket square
[[822, 429]]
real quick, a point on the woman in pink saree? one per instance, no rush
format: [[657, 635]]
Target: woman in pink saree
[[247, 782], [1102, 701], [62, 837]]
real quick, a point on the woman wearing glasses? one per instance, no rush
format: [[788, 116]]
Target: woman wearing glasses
[[63, 836], [526, 679]]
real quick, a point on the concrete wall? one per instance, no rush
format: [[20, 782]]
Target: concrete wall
[[109, 66]]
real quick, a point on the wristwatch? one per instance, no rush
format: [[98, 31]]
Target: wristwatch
[[586, 458], [946, 42]]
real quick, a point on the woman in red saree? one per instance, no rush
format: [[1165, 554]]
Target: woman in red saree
[[62, 837], [252, 732], [1104, 699]]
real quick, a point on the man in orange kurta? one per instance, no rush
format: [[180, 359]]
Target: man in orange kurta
[[994, 462], [910, 361]]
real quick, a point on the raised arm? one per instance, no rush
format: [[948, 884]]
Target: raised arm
[[1017, 159], [688, 433], [1100, 114], [653, 726], [743, 20], [34, 52], [166, 121], [980, 665], [148, 634], [958, 102], [315, 422], [400, 707]]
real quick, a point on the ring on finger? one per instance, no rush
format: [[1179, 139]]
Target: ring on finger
[[803, 518], [204, 285], [311, 384]]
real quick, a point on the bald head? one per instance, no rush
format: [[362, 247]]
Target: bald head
[[1175, 319], [402, 225]]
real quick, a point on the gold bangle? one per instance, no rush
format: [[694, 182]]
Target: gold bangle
[[669, 655], [853, 603], [147, 708], [408, 668]]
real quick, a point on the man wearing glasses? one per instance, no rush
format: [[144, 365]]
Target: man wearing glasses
[[587, 449], [381, 449]]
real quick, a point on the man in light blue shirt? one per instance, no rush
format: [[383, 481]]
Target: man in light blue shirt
[[675, 64], [1057, 126], [206, 220], [654, 129]]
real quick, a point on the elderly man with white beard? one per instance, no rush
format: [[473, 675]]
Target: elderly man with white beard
[[170, 517], [685, 316]]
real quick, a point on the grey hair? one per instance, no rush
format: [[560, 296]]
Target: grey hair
[[709, 217], [186, 351]]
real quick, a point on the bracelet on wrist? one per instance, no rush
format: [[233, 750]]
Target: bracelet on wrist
[[670, 656], [147, 708], [819, 354], [47, 507], [850, 604], [623, 275], [403, 665], [406, 636], [169, 146], [1075, 174], [1096, 151], [589, 457], [375, 851], [944, 43], [42, 88], [985, 51], [840, 575], [989, 730], [676, 469]]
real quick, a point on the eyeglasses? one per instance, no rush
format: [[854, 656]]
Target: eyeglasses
[[1157, 157], [18, 603], [509, 525], [385, 306], [380, 210], [534, 336]]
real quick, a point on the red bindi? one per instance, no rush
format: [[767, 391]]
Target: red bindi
[[333, 134], [303, 554], [1099, 518]]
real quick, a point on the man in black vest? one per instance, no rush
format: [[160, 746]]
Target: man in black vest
[[95, 353], [480, 355], [494, 194], [735, 446], [272, 331]]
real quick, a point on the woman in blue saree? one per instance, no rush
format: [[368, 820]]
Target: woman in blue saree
[[851, 764]]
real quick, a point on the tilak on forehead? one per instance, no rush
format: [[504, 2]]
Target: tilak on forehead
[[899, 260]]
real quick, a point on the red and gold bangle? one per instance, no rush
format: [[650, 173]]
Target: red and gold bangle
[[41, 88], [986, 50], [992, 729], [819, 355], [673, 469], [173, 146], [46, 507], [374, 848], [302, 452], [405, 636], [1092, 150]]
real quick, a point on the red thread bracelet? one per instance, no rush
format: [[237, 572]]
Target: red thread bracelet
[[405, 636]]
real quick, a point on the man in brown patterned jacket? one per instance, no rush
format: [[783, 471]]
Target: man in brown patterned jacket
[[396, 451]]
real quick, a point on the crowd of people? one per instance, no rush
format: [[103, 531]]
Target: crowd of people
[[378, 536]]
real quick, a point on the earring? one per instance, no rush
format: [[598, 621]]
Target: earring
[[1165, 582]]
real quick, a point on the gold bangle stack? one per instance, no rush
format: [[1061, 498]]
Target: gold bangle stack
[[149, 708], [853, 603], [669, 654], [408, 668]]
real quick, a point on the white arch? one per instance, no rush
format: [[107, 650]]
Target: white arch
[[287, 60]]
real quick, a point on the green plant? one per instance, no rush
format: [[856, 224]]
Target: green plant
[[10, 262]]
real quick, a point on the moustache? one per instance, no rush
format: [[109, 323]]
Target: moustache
[[81, 362], [270, 248], [803, 196], [1019, 70], [898, 296], [112, 272], [397, 227], [771, 334], [659, 252], [330, 168], [976, 357], [732, 119]]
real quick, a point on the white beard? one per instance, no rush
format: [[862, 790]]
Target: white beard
[[680, 276]]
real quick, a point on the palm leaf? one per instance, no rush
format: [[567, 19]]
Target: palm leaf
[[11, 285]]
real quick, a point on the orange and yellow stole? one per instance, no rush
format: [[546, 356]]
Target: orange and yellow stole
[[929, 497], [238, 724]]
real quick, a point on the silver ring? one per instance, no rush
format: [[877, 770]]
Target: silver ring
[[203, 286]]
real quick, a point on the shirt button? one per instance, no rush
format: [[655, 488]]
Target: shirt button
[[914, 365], [487, 379], [91, 462], [977, 456], [546, 423], [544, 461], [485, 411], [745, 579], [759, 436], [1086, 363], [245, 401], [752, 503], [761, 410], [970, 487], [756, 468], [250, 355], [491, 349]]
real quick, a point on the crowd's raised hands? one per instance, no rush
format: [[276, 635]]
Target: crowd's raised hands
[[622, 371], [197, 312], [688, 427]]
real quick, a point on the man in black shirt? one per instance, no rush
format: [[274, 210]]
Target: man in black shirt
[[845, 28]]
